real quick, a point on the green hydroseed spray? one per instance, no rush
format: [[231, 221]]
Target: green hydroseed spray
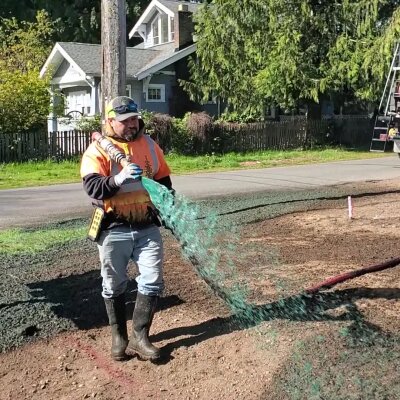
[[198, 239]]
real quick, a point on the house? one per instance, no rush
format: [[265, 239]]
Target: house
[[153, 67]]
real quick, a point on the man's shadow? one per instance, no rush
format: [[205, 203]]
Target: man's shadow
[[78, 298]]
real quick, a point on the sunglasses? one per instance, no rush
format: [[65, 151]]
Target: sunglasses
[[130, 107]]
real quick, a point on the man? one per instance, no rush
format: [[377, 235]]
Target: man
[[129, 229]]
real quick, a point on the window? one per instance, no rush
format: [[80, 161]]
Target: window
[[172, 30], [156, 34], [155, 93], [164, 29], [128, 91]]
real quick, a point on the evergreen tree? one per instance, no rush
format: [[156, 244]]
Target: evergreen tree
[[258, 52]]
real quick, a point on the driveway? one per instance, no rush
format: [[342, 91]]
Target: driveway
[[23, 207]]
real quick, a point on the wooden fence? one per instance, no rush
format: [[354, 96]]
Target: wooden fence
[[42, 145], [354, 132], [300, 133]]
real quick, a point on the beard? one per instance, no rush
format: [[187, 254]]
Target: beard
[[130, 135]]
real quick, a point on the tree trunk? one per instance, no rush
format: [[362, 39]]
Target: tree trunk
[[113, 41]]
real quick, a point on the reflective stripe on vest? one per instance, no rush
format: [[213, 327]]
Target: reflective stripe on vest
[[150, 143]]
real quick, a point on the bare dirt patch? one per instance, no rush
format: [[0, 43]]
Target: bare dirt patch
[[340, 344]]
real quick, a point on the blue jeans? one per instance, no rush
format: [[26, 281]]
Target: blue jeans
[[144, 246]]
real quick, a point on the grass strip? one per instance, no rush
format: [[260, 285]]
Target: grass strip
[[41, 173], [38, 173], [25, 241]]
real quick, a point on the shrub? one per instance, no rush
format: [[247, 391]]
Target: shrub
[[169, 132], [181, 140], [200, 128], [89, 124], [199, 125], [159, 127]]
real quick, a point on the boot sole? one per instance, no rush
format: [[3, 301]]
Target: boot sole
[[120, 358], [144, 357]]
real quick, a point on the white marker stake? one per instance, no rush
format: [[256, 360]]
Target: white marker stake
[[350, 207]]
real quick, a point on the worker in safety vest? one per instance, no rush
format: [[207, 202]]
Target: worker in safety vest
[[129, 228]]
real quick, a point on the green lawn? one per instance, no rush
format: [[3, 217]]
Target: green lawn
[[17, 175]]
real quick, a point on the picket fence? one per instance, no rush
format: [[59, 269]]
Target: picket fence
[[26, 146], [300, 133]]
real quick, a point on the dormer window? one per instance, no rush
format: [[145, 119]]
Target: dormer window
[[156, 31], [172, 28], [162, 29]]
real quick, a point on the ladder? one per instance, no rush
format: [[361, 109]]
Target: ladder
[[380, 135], [388, 105]]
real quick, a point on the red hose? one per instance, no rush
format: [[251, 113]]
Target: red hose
[[328, 283]]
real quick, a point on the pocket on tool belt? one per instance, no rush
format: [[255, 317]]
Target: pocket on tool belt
[[95, 224]]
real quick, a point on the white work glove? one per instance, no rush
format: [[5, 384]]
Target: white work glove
[[129, 172]]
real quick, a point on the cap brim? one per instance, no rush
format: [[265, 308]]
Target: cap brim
[[123, 117]]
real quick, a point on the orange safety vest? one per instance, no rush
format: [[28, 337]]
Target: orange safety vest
[[132, 200]]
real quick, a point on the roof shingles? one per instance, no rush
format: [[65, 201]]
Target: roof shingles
[[88, 57]]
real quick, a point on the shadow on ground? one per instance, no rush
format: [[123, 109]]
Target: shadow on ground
[[78, 298]]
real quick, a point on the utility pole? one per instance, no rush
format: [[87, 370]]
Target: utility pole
[[113, 43]]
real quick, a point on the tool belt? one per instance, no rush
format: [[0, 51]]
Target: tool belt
[[101, 221]]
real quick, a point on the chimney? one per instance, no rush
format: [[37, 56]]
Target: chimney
[[184, 28]]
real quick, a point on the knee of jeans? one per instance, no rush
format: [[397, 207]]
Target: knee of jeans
[[111, 289]]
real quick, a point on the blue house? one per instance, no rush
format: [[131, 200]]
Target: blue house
[[153, 67]]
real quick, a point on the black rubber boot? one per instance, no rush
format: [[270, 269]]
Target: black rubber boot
[[116, 316], [142, 319]]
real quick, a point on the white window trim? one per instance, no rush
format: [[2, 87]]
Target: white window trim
[[155, 86], [171, 29], [129, 90], [155, 23]]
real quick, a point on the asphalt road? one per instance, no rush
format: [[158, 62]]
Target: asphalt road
[[30, 206]]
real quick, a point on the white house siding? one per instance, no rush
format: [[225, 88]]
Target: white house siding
[[77, 93], [62, 69], [66, 75], [78, 98]]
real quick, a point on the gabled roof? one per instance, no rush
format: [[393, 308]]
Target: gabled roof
[[169, 7], [140, 63]]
